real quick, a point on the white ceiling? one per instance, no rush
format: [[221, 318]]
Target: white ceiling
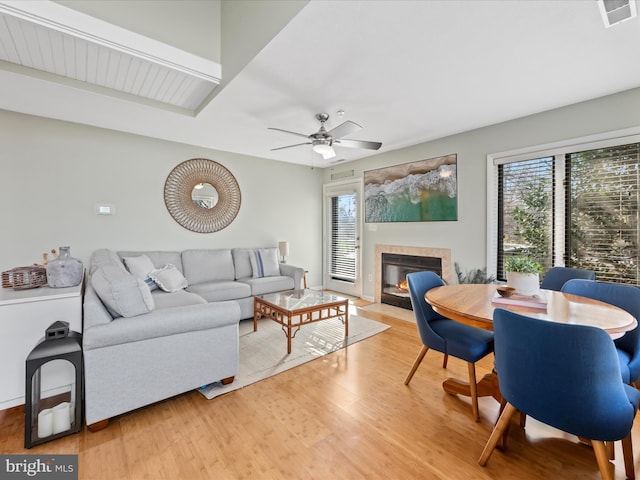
[[408, 72]]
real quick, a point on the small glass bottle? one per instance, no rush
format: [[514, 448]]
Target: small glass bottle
[[64, 271]]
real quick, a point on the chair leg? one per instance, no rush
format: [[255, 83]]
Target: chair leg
[[473, 389], [523, 419], [502, 444], [444, 360], [602, 457], [416, 364], [496, 435], [627, 453]]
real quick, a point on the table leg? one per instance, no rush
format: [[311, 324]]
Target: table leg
[[346, 320], [256, 316], [289, 334], [488, 386]]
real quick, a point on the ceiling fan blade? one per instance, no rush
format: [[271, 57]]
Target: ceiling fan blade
[[344, 129], [358, 144], [289, 146], [330, 154], [289, 131]]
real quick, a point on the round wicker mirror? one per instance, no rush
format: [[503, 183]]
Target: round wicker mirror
[[179, 187]]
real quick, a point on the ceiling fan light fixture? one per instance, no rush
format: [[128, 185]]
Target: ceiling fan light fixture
[[322, 147], [330, 154], [322, 141]]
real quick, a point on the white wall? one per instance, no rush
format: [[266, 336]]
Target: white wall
[[53, 173], [467, 236]]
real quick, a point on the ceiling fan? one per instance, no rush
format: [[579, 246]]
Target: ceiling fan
[[323, 141]]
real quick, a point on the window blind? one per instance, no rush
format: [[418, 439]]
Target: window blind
[[602, 219], [594, 210], [525, 211], [342, 261]]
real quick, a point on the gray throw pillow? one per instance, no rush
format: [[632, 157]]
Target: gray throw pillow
[[264, 262], [140, 267], [122, 293]]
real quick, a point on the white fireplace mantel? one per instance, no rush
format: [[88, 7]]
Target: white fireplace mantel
[[443, 253]]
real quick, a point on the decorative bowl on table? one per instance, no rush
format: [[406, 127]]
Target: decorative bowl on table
[[23, 278], [505, 291]]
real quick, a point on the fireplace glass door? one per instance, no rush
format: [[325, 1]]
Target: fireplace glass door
[[395, 268]]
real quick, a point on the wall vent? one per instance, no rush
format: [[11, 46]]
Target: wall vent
[[345, 174], [616, 11]]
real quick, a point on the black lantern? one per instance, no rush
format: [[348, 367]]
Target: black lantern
[[53, 400]]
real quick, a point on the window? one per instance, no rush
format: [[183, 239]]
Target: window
[[525, 197], [575, 205], [602, 222]]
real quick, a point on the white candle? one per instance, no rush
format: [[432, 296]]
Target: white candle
[[72, 412], [61, 417], [45, 423]]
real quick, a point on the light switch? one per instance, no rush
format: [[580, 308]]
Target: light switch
[[105, 209]]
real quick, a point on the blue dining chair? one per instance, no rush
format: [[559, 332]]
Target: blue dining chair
[[556, 277], [626, 297], [445, 335], [566, 376]]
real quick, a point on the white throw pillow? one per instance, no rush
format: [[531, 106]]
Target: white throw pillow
[[140, 267], [169, 278], [122, 293], [264, 262]]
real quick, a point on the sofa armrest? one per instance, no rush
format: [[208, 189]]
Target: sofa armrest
[[297, 273]]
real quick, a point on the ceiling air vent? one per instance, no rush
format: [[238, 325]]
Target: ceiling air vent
[[616, 11]]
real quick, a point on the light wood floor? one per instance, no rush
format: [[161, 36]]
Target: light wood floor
[[344, 416]]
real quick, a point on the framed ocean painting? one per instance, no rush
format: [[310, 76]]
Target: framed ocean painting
[[423, 191]]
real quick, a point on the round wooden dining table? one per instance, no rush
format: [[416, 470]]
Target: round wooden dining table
[[473, 304]]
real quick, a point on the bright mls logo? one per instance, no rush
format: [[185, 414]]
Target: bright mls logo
[[52, 467]]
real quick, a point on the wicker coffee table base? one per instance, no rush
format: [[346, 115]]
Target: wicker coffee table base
[[292, 319]]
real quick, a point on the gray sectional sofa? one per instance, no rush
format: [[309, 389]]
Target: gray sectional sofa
[[152, 335]]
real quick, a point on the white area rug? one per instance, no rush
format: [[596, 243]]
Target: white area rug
[[264, 353]]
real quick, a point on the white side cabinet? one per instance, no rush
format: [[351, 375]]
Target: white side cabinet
[[24, 317]]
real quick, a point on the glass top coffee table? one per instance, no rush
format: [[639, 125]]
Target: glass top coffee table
[[295, 308]]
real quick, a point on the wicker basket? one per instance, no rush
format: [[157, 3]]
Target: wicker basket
[[21, 278]]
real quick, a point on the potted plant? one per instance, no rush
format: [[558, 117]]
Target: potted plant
[[478, 275], [523, 274]]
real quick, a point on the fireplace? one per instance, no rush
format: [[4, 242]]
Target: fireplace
[[395, 267]]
